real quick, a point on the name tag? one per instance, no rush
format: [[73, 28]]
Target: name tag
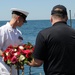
[[21, 38]]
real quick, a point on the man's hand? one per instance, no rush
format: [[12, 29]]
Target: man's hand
[[35, 63], [1, 53]]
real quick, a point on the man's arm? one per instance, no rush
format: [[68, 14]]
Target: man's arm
[[35, 63]]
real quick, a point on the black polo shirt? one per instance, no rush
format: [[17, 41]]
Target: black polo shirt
[[56, 47]]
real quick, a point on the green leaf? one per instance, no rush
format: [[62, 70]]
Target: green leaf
[[8, 62]]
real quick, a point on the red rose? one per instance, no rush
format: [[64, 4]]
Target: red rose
[[14, 60], [27, 53]]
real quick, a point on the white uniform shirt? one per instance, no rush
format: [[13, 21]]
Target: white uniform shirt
[[8, 36]]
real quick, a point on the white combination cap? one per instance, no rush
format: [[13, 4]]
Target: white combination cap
[[20, 12]]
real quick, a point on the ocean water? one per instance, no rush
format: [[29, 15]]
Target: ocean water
[[30, 31]]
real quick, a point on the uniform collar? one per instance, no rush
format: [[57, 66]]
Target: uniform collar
[[10, 27], [60, 22]]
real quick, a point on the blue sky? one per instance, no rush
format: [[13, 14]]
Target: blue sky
[[38, 9]]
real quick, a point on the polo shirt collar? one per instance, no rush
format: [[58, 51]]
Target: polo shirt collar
[[60, 22]]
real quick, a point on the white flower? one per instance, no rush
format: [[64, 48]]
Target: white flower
[[22, 57], [15, 50], [21, 47], [7, 53]]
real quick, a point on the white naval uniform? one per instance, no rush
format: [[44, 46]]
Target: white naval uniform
[[8, 36]]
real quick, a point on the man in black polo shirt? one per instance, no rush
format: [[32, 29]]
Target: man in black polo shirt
[[55, 46]]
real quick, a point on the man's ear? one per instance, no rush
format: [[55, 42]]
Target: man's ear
[[66, 18], [17, 18], [51, 19]]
